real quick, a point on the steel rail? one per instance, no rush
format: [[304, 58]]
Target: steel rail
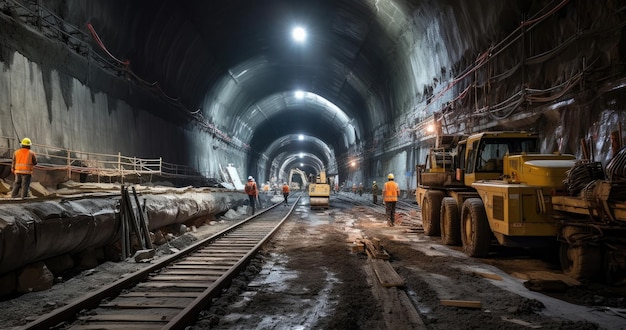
[[200, 284]]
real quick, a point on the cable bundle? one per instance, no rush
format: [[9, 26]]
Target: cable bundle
[[616, 169], [579, 176]]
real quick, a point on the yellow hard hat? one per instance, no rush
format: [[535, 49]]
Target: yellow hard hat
[[26, 142], [390, 176]]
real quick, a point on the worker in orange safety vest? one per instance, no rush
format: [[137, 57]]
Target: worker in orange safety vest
[[286, 192], [391, 191], [24, 160], [252, 191]]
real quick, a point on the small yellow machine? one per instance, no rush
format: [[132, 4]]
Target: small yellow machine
[[319, 192]]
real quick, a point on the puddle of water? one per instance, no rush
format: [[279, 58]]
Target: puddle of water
[[416, 300], [292, 311]]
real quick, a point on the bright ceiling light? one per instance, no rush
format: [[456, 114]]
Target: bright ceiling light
[[300, 137], [301, 165], [298, 34], [301, 155], [299, 94]]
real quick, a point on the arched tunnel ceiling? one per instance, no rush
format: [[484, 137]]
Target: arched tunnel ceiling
[[229, 58], [293, 148], [386, 64]]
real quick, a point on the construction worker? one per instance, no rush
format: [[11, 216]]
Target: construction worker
[[266, 188], [374, 193], [391, 191], [360, 189], [252, 191], [22, 165], [354, 188], [286, 192]]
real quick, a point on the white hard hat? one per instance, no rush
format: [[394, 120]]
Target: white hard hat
[[250, 177]]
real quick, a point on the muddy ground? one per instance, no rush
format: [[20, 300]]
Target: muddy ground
[[310, 278]]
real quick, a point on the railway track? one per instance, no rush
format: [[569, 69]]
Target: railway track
[[170, 293]]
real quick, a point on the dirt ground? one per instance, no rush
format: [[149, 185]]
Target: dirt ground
[[309, 278]]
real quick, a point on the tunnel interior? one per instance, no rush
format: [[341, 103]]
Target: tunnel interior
[[208, 83]]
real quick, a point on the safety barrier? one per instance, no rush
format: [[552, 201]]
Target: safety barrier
[[52, 158]]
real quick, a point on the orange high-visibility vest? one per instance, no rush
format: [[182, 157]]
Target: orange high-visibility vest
[[24, 161], [285, 189], [391, 191], [251, 188]]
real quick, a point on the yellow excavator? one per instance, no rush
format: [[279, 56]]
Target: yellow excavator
[[319, 192]]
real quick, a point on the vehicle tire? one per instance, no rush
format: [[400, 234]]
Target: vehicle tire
[[475, 232], [581, 261], [450, 222], [430, 212]]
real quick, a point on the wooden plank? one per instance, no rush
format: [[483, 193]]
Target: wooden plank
[[489, 276], [144, 305], [398, 311], [167, 284], [520, 322], [127, 317], [387, 276], [201, 265], [116, 326], [158, 294], [462, 303], [375, 253], [207, 266], [542, 275], [203, 278], [191, 272]]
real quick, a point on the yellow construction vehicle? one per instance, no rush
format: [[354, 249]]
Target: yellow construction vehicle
[[319, 192], [294, 185], [503, 188], [468, 202]]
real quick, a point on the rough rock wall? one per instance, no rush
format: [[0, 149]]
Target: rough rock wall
[[61, 99]]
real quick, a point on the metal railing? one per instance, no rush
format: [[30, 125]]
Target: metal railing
[[51, 158]]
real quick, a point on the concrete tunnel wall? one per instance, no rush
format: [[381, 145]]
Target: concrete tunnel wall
[[57, 98]]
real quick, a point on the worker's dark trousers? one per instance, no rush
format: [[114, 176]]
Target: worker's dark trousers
[[375, 199], [22, 182], [286, 195], [251, 199], [390, 207]]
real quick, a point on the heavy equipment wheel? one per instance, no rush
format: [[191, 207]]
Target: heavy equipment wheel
[[430, 212], [475, 232], [450, 222], [581, 261]]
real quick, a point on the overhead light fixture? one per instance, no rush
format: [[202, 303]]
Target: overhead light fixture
[[298, 34], [300, 137], [301, 155], [299, 95], [301, 165]]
